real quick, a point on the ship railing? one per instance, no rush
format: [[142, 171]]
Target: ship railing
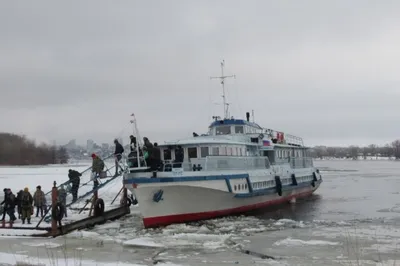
[[236, 163], [303, 162]]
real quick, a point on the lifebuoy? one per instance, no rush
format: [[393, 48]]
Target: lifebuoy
[[294, 181], [99, 207], [278, 185], [57, 212]]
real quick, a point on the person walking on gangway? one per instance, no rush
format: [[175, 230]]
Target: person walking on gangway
[[97, 168], [119, 150], [62, 198], [74, 178]]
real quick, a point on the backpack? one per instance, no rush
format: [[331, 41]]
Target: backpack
[[25, 199]]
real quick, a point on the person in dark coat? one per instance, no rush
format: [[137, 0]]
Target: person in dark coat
[[133, 143], [3, 203], [149, 148], [119, 150], [179, 155], [74, 178], [19, 199], [157, 156], [9, 205]]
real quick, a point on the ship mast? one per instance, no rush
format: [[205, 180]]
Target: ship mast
[[222, 78]]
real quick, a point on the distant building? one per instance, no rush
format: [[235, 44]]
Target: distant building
[[71, 145], [105, 146], [89, 145]]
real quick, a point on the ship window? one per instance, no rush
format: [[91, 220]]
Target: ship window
[[192, 152], [222, 151], [229, 151], [167, 154], [204, 152], [239, 129], [245, 186], [223, 130], [235, 187], [215, 151]]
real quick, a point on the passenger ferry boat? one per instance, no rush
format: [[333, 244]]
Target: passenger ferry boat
[[238, 166]]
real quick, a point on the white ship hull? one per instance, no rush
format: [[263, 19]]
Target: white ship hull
[[164, 203]]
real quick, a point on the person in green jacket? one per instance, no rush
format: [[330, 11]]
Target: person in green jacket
[[26, 205], [97, 168]]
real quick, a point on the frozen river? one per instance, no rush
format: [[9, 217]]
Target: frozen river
[[353, 219]]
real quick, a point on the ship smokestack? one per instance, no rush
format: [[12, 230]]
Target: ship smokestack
[[248, 116]]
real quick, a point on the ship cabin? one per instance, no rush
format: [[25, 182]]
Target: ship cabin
[[234, 138]]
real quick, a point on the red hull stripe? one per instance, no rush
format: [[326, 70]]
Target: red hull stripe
[[190, 217]]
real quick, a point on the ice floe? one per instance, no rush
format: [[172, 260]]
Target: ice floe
[[298, 242]]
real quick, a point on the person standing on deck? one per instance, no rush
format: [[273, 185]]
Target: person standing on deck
[[133, 143], [74, 178], [148, 146], [39, 201], [26, 205], [62, 198], [157, 156], [179, 156], [119, 150], [97, 168]]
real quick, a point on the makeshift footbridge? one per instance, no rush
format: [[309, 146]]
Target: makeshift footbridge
[[53, 223]]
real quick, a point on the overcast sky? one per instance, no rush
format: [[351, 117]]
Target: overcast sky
[[324, 70]]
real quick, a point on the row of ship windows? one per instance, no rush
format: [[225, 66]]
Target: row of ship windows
[[203, 152], [285, 153], [240, 187], [304, 178], [271, 183], [264, 184]]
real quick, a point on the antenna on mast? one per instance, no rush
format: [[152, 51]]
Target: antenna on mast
[[222, 78]]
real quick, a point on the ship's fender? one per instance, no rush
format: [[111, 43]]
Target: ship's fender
[[99, 207], [294, 181], [315, 176], [314, 179], [57, 213], [278, 185]]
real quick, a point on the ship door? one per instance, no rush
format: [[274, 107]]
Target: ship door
[[270, 155]]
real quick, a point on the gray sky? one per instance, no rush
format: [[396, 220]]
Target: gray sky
[[327, 71]]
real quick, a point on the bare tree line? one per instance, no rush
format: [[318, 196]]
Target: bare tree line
[[389, 150], [19, 150]]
